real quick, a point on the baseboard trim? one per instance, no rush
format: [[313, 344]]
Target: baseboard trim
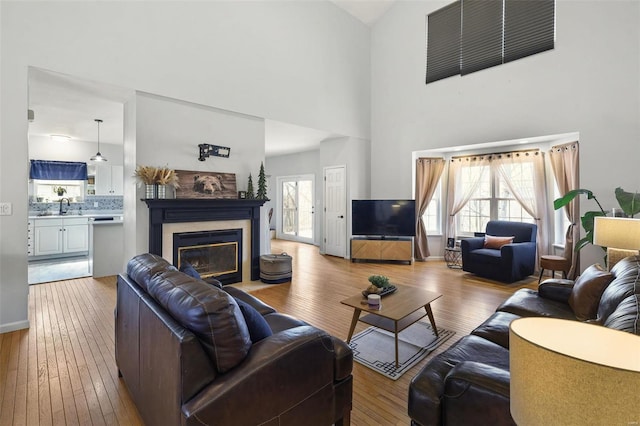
[[13, 326]]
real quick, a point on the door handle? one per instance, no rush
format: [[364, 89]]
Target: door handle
[[341, 217]]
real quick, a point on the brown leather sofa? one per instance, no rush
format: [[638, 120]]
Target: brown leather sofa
[[185, 353], [468, 384]]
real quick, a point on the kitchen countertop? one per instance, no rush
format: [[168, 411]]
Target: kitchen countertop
[[117, 217]]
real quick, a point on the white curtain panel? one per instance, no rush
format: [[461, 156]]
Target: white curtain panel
[[457, 195], [514, 168]]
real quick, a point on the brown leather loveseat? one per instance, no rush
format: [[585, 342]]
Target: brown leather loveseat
[[186, 355]]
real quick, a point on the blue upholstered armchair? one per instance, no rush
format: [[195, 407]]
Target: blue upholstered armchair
[[509, 263]]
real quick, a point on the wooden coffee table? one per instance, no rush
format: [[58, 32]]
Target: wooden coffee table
[[398, 311]]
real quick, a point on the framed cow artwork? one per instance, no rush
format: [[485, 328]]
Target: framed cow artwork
[[199, 184]]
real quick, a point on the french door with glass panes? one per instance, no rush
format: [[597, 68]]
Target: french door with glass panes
[[296, 208]]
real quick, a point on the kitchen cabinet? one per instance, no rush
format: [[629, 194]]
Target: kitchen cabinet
[[394, 249], [61, 236], [109, 180], [31, 224]]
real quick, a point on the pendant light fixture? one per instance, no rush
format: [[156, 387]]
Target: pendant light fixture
[[98, 156]]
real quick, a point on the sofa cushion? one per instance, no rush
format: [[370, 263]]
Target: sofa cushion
[[625, 284], [494, 242], [587, 290], [487, 256], [209, 312], [627, 316], [556, 289], [145, 266], [257, 325], [496, 328], [188, 269], [527, 303]]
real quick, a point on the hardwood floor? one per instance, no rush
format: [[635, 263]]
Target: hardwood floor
[[62, 370]]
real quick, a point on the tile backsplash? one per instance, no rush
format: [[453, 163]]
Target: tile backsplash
[[104, 203]]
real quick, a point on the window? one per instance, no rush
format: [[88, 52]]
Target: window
[[432, 218], [492, 200], [47, 191], [471, 35]]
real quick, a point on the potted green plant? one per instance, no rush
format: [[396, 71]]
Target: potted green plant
[[629, 203], [380, 281], [59, 190]]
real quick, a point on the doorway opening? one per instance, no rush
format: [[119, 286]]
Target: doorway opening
[[296, 208]]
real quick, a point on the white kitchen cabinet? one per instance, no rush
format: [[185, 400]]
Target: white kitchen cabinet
[[31, 224], [75, 235], [109, 180], [60, 236]]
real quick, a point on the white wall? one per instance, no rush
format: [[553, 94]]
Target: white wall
[[42, 148], [590, 83], [168, 133], [305, 63]]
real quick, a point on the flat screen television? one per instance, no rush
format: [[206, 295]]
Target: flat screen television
[[383, 218]]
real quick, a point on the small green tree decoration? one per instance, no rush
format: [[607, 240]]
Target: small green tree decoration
[[379, 281], [250, 193], [262, 184]]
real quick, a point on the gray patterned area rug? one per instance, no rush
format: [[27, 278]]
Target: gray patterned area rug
[[375, 348]]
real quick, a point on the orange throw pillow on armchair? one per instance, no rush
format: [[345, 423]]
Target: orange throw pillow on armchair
[[492, 242]]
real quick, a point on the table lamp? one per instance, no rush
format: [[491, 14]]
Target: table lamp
[[568, 373], [621, 237]]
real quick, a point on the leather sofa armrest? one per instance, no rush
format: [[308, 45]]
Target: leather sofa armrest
[[475, 390], [492, 379], [258, 304], [295, 364], [343, 364], [556, 289]]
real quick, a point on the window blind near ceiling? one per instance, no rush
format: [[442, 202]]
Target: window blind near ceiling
[[443, 43], [58, 170], [529, 27], [481, 35]]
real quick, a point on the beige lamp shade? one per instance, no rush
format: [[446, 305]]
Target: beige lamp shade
[[572, 373], [620, 235], [616, 232]]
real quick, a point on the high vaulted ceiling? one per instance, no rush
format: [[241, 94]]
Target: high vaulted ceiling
[[65, 105], [367, 11]]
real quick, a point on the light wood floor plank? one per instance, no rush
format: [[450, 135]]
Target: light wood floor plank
[[80, 406], [62, 370]]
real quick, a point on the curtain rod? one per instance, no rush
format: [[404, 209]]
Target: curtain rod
[[536, 150]]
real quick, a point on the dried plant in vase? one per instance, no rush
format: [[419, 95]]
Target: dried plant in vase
[[146, 175], [168, 177]]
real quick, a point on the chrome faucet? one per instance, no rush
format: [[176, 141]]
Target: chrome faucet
[[68, 205]]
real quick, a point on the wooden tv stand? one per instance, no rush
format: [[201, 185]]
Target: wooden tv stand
[[382, 249]]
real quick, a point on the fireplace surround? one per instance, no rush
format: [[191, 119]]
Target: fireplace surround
[[164, 211]]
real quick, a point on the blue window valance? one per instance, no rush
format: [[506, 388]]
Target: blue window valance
[[58, 170]]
